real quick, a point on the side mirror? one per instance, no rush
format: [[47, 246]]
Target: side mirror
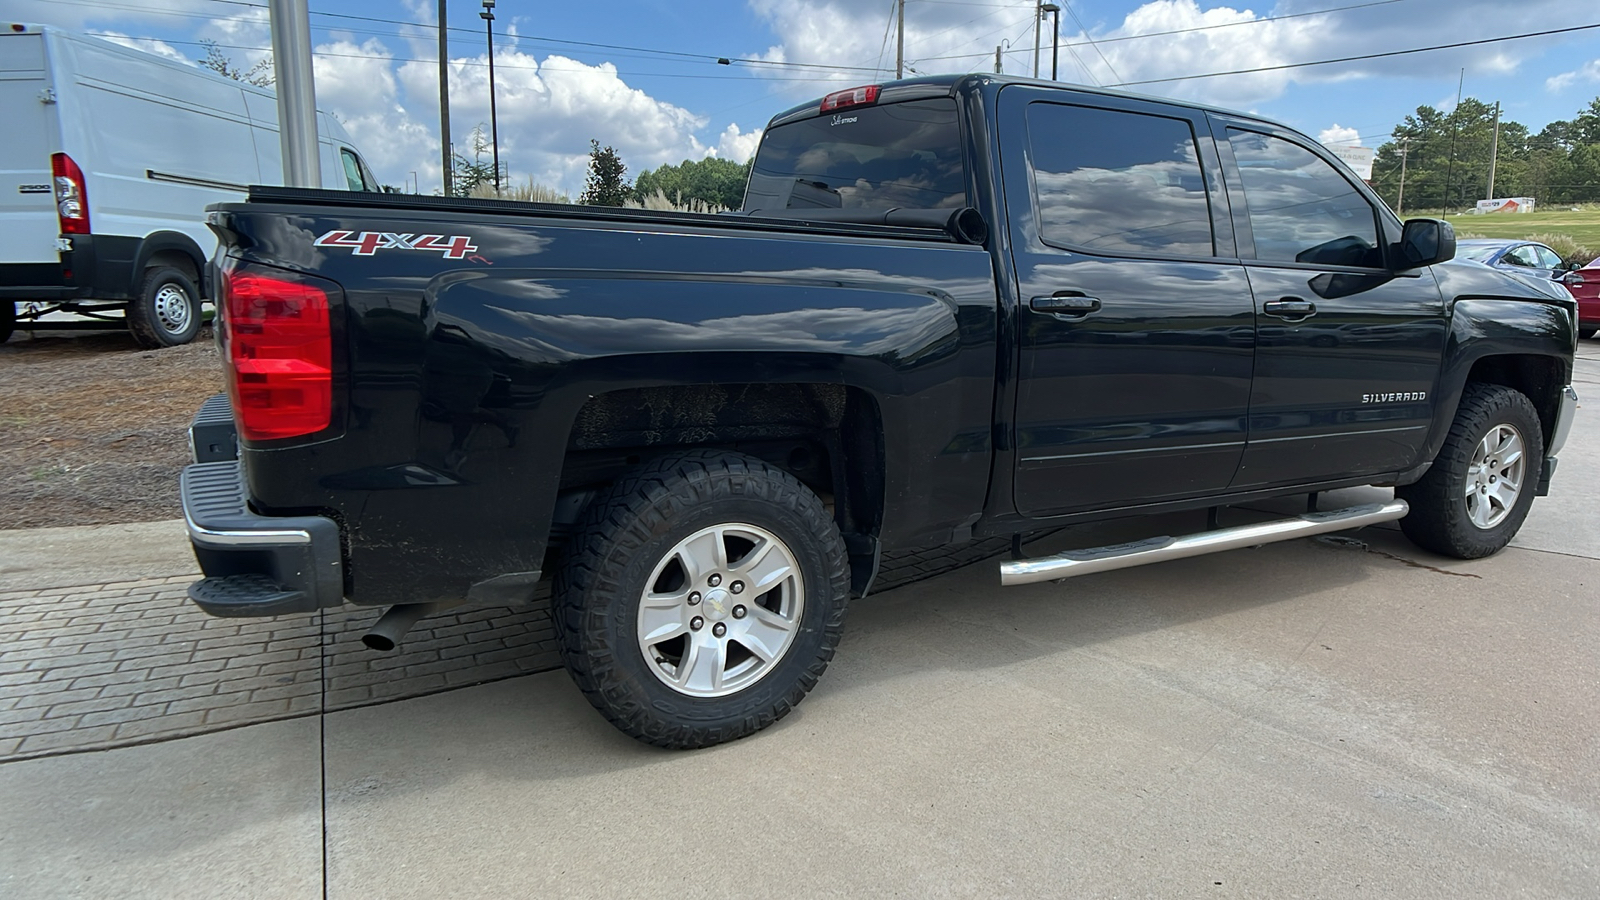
[[1425, 242]]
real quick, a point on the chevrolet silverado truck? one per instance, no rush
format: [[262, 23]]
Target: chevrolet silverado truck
[[951, 309]]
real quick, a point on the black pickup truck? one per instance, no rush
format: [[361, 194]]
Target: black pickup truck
[[955, 308]]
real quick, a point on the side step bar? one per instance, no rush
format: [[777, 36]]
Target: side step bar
[[1160, 549]]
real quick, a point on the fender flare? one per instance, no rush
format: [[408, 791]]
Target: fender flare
[[168, 242]]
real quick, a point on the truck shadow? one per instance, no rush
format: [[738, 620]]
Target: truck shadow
[[959, 630]]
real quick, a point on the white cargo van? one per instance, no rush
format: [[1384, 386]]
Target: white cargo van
[[108, 158]]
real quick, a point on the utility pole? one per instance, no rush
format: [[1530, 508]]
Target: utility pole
[[900, 41], [1055, 36], [297, 99], [1494, 149], [444, 104], [1400, 201], [997, 59], [494, 123], [1038, 18]]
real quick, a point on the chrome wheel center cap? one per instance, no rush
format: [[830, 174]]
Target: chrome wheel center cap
[[718, 604]]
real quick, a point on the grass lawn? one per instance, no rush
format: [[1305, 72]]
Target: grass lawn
[[1582, 226]]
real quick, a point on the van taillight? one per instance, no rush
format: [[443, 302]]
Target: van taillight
[[279, 353], [72, 200]]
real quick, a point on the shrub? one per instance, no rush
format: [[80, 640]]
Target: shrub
[[1567, 247]]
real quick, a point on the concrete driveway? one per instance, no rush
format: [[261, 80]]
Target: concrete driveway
[[1345, 717]]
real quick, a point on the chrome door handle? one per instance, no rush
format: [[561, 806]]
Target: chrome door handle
[[1070, 306], [1290, 308]]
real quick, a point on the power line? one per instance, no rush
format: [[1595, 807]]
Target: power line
[[1366, 56], [1191, 30], [1085, 29]]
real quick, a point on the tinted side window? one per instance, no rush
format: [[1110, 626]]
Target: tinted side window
[[1301, 208], [1547, 258], [1521, 256], [1118, 182]]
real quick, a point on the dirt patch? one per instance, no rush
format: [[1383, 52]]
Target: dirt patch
[[94, 430]]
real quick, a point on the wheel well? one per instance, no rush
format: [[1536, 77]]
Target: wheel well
[[1539, 378], [177, 259], [827, 435]]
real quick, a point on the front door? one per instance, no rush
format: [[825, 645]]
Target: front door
[[1136, 325], [1347, 351]]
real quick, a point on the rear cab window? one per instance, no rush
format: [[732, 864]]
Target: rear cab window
[[898, 155]]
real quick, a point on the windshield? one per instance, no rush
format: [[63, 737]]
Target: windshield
[[1478, 253], [905, 155]]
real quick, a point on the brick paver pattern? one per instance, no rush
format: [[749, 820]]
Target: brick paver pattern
[[108, 665]]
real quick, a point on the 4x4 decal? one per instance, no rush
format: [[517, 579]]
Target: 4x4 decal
[[367, 243]]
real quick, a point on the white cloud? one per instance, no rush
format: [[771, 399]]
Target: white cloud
[[1339, 134], [950, 37], [1589, 72], [148, 45], [548, 111], [736, 145]]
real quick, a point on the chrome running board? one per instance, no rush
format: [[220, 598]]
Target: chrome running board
[[1160, 549]]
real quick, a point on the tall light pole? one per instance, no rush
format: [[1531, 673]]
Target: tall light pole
[[1055, 37], [494, 125], [1494, 149], [444, 104], [1400, 201], [297, 101]]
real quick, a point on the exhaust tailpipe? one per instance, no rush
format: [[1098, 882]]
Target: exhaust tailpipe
[[386, 633]]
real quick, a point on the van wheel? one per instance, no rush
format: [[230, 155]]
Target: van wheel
[[701, 599], [166, 311], [8, 319], [1481, 485]]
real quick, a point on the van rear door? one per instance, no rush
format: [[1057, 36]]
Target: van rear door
[[28, 225]]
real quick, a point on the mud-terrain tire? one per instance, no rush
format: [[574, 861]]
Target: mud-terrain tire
[[166, 311], [659, 628], [1491, 422]]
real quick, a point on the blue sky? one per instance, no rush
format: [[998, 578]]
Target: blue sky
[[658, 95]]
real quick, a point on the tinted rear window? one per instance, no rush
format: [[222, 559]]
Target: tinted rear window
[[873, 157]]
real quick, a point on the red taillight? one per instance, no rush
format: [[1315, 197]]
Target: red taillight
[[279, 353], [856, 96], [72, 200]]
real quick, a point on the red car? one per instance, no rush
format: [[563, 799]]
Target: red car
[[1585, 285]]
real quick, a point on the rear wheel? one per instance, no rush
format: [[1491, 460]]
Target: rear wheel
[[702, 599], [166, 311], [1478, 492]]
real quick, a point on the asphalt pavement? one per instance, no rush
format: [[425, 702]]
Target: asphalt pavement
[[1334, 717]]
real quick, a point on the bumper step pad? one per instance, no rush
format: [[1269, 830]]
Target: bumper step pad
[[246, 595]]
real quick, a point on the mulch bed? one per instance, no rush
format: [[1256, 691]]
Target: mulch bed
[[94, 430]]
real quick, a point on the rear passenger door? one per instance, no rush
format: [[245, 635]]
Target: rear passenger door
[[1135, 326], [1347, 352]]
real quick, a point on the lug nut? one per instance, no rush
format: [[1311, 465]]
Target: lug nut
[[719, 629], [739, 612], [694, 598], [696, 623], [714, 580], [737, 587]]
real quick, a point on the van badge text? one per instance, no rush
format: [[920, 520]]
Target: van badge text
[[844, 120], [1401, 397], [366, 243], [33, 188]]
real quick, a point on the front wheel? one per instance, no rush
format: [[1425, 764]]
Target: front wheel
[[1480, 487], [701, 599], [166, 311]]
